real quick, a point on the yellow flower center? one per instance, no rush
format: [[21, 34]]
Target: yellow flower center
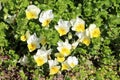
[[54, 70], [96, 32], [31, 47], [62, 31], [23, 38], [60, 57], [65, 66], [79, 28], [72, 64], [46, 22], [86, 41], [40, 61], [65, 51], [31, 15]]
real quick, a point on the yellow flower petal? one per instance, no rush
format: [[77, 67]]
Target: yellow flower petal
[[72, 65], [60, 57], [86, 41], [79, 28], [62, 31], [31, 47], [40, 61], [96, 32], [54, 70], [65, 66], [23, 38], [30, 15], [46, 22], [65, 51]]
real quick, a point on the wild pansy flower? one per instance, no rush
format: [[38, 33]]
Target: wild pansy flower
[[78, 24], [72, 61], [63, 27], [41, 56], [94, 31], [46, 17], [60, 57], [33, 42], [25, 37], [54, 69], [64, 47], [23, 60], [84, 37], [32, 12]]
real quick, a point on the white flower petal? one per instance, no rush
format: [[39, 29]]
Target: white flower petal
[[23, 60], [91, 27], [72, 22], [52, 63]]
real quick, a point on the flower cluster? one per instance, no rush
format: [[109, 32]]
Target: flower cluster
[[63, 60]]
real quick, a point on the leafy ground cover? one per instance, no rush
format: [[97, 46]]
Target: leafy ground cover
[[54, 47]]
